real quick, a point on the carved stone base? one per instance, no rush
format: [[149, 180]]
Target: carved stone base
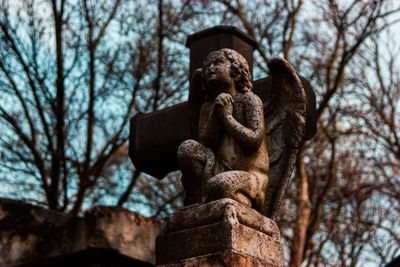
[[219, 233]]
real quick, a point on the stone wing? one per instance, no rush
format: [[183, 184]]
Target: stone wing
[[285, 115], [196, 99]]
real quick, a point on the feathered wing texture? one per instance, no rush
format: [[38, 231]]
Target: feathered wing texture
[[285, 123], [196, 100]]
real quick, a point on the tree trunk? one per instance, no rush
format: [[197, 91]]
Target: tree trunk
[[303, 215]]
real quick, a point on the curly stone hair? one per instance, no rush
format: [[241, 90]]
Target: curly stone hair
[[238, 66]]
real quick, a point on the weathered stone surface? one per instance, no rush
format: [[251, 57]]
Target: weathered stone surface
[[242, 148], [221, 259], [29, 233], [155, 137], [92, 257], [229, 157], [223, 230], [153, 151], [153, 146], [119, 229], [33, 235], [216, 211], [215, 38]]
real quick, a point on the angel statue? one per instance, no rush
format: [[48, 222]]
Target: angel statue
[[244, 149]]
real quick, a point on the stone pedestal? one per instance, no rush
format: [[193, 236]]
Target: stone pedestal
[[219, 233]]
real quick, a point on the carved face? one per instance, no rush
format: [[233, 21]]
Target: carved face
[[221, 68], [218, 73]]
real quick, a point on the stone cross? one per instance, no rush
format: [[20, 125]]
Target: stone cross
[[226, 227], [155, 137]]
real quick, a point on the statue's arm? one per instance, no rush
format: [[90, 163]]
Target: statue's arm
[[209, 125], [251, 134]]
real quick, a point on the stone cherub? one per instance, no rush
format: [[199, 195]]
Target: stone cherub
[[235, 139]]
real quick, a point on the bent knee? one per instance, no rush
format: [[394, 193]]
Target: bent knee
[[188, 148], [218, 185], [228, 183]]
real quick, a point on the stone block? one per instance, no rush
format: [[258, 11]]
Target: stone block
[[34, 236], [119, 229], [219, 233]]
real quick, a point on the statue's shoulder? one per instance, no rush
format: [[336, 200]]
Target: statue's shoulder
[[250, 98]]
